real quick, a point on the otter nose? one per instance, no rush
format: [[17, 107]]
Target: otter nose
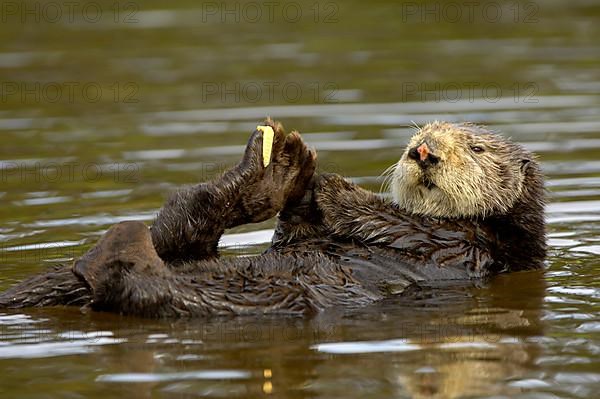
[[423, 156]]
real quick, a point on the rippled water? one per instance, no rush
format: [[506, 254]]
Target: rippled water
[[180, 88]]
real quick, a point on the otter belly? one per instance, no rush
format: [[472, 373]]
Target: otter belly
[[388, 272], [384, 271]]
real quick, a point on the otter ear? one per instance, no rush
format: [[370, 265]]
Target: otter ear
[[525, 163]]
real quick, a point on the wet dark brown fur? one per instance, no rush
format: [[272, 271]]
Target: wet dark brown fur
[[335, 244]]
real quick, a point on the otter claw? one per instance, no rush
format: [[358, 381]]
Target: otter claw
[[267, 146]]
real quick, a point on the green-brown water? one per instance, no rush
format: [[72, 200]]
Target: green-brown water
[[103, 113]]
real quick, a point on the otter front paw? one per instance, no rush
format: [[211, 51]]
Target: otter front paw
[[336, 198], [264, 190], [300, 219]]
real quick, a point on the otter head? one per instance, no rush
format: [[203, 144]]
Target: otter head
[[464, 171]]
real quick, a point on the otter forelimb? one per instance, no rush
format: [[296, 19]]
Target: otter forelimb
[[189, 225]]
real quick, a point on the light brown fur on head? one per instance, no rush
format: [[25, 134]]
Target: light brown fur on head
[[477, 173]]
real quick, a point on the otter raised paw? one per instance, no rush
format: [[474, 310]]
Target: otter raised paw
[[189, 225], [265, 189]]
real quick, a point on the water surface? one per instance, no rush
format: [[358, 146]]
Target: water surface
[[181, 88]]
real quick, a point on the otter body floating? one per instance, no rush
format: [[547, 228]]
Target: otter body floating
[[468, 205], [267, 146]]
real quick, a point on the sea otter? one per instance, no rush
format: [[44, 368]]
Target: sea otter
[[467, 204]]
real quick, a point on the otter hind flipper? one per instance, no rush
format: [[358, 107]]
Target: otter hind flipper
[[56, 286]]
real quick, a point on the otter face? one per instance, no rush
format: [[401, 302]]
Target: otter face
[[459, 170]]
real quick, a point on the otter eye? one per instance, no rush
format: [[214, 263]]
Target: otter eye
[[477, 149]]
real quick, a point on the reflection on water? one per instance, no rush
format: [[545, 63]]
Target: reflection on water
[[172, 92], [453, 344]]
